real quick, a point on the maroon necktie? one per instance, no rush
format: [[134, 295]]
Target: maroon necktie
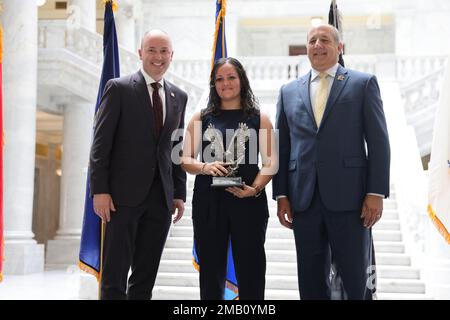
[[157, 108]]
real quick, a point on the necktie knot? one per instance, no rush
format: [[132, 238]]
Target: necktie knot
[[323, 75], [156, 85]]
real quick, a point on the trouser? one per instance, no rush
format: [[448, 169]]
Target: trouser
[[246, 227], [135, 238], [321, 233]]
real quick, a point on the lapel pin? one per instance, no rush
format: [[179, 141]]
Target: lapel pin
[[340, 77], [172, 95]]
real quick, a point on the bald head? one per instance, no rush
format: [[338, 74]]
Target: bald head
[[156, 53], [156, 33]]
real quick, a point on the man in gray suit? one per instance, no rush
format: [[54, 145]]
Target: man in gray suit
[[334, 168], [135, 185]]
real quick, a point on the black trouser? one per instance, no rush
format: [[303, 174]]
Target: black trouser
[[135, 238], [247, 229], [319, 233]]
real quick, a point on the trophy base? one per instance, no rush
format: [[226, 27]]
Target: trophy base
[[225, 182]]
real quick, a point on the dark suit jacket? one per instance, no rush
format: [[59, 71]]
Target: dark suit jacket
[[125, 152], [335, 153]]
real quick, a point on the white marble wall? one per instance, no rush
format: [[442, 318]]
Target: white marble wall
[[422, 27], [125, 19], [82, 13], [19, 19], [78, 118], [276, 25]]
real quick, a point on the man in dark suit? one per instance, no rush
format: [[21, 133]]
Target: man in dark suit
[[334, 168], [135, 184]]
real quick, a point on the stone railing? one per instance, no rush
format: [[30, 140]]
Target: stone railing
[[415, 74], [410, 68], [422, 92], [279, 70], [420, 99], [87, 48]]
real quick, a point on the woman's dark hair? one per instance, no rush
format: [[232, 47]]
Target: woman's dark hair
[[248, 101]]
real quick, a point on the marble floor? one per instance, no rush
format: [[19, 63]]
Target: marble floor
[[55, 283]]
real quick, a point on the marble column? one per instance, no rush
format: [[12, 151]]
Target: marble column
[[22, 253], [78, 117], [125, 25], [83, 13]]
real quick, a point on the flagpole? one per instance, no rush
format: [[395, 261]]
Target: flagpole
[[334, 14], [93, 229], [102, 237]]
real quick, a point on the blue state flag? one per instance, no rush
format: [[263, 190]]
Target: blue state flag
[[91, 234], [220, 51]]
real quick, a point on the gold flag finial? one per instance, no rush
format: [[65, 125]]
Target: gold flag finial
[[114, 4]]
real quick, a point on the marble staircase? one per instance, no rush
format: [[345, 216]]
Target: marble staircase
[[397, 277]]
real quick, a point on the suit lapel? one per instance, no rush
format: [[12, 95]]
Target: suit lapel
[[141, 90], [340, 80], [304, 93]]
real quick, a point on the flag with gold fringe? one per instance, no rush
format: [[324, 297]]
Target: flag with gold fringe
[[1, 155], [220, 51], [91, 234], [439, 166]]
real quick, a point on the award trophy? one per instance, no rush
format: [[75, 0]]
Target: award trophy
[[233, 156]]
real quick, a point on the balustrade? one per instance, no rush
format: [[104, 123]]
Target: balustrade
[[418, 76]]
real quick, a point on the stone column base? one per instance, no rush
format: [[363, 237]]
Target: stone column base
[[88, 287], [23, 257], [63, 251]]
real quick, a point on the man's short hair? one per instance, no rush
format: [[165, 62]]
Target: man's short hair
[[334, 31]]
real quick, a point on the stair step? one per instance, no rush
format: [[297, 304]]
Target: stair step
[[390, 212], [400, 286], [288, 256], [290, 283], [387, 235], [177, 278], [285, 233], [175, 293], [383, 224], [402, 296], [288, 244], [389, 203], [290, 269], [193, 293], [397, 272]]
